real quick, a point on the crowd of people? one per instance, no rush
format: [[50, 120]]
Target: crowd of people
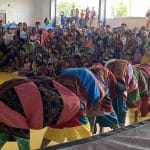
[[35, 51]]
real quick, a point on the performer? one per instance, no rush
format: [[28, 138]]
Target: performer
[[144, 87], [91, 93], [33, 103], [37, 102], [105, 76], [126, 82]]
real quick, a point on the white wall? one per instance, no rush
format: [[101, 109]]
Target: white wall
[[36, 10], [18, 10], [25, 10], [41, 10]]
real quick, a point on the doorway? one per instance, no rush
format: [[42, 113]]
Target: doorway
[[3, 17]]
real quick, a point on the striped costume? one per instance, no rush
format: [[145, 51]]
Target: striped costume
[[126, 82], [83, 83], [33, 103]]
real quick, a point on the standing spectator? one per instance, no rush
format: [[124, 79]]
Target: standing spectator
[[20, 27], [148, 20], [63, 19], [24, 33], [117, 45], [81, 21], [87, 15], [2, 29], [77, 16], [73, 11], [93, 15]]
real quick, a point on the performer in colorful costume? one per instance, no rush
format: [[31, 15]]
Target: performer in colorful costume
[[37, 102], [91, 92], [144, 87], [105, 76], [33, 103], [126, 82]]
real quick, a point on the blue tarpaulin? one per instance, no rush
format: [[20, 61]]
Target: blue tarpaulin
[[47, 27], [11, 26]]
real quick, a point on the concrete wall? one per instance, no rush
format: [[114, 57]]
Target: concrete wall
[[131, 22], [41, 10]]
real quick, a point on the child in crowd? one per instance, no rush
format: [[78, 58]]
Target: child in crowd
[[21, 58], [137, 56], [27, 67], [57, 49], [51, 70], [43, 69], [65, 65]]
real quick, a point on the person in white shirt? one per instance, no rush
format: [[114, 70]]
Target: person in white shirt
[[8, 37], [23, 34]]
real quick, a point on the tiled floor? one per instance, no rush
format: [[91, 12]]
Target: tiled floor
[[36, 136]]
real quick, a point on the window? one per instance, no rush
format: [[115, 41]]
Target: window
[[127, 8]]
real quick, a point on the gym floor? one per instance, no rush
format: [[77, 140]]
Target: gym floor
[[36, 136]]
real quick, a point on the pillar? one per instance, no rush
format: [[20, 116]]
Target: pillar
[[52, 12], [102, 11]]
